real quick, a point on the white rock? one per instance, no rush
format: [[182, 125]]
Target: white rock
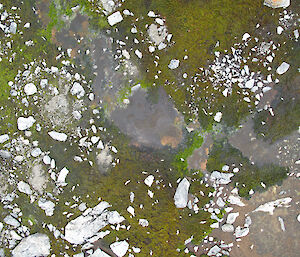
[[3, 138], [25, 123], [235, 200], [114, 18], [270, 206], [62, 137], [11, 221], [151, 49], [228, 228], [43, 83], [277, 3], [138, 53], [151, 14], [181, 194], [24, 188], [221, 177], [36, 152], [282, 68], [47, 160], [47, 206], [77, 90], [241, 232], [27, 25], [82, 228], [61, 179], [126, 54], [246, 36], [279, 30], [232, 217], [149, 180], [214, 251], [144, 222], [30, 89], [33, 245], [296, 33], [13, 28], [119, 248], [174, 63], [249, 84], [130, 209], [298, 217], [218, 117]]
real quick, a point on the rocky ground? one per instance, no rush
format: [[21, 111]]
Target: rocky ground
[[149, 129]]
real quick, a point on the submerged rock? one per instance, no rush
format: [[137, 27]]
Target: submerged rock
[[270, 206], [277, 3], [33, 245], [181, 194]]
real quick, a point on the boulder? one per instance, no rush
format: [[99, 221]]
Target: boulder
[[32, 246], [181, 194]]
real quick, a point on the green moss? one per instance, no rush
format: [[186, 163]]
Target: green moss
[[194, 141], [249, 176]]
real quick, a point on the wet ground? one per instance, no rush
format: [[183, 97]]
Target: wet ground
[[150, 124]]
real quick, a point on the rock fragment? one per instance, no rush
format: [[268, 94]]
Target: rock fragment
[[277, 3], [119, 248], [181, 194], [25, 123], [30, 89], [62, 137], [174, 63], [114, 18], [283, 68], [33, 245]]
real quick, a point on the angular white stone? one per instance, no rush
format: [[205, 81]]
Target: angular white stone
[[30, 89], [270, 206], [235, 200], [11, 221], [214, 251], [149, 180], [232, 217], [241, 232], [47, 206], [24, 188], [221, 177], [62, 137], [119, 248], [277, 3], [174, 63], [33, 245], [61, 179], [144, 222], [246, 36], [130, 209], [151, 14], [228, 228], [249, 84], [218, 117], [138, 53], [181, 194], [279, 30], [283, 68], [25, 123], [77, 90], [82, 228], [3, 138], [114, 18]]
